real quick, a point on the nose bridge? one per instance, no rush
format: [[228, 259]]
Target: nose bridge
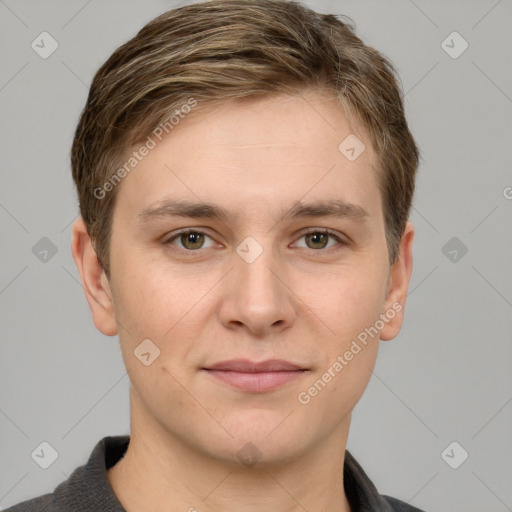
[[257, 297], [256, 267]]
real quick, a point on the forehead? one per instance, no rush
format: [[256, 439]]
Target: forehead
[[259, 153]]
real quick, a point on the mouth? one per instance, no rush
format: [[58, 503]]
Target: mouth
[[256, 377]]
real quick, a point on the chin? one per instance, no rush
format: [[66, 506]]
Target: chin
[[269, 439]]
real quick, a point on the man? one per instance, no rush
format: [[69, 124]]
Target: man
[[245, 174]]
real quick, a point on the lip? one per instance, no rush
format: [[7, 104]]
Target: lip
[[248, 366], [253, 376]]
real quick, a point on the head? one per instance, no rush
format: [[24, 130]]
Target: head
[[245, 107]]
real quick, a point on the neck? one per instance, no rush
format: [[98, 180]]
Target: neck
[[160, 472]]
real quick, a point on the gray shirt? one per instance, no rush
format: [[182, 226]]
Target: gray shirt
[[88, 489]]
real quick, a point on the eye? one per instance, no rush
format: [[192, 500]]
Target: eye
[[191, 240], [318, 238]]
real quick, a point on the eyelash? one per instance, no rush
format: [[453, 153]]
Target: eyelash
[[324, 231]]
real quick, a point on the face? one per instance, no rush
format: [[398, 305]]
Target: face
[[294, 268]]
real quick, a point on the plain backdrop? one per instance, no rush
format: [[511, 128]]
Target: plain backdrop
[[446, 378]]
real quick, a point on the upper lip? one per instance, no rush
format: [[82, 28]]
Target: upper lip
[[248, 366]]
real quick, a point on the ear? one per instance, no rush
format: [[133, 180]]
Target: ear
[[94, 281], [398, 284]]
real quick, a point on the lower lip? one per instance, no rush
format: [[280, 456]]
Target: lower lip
[[256, 382]]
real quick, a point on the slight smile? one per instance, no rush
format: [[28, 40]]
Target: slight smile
[[255, 377]]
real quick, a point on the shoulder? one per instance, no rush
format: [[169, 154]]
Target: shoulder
[[87, 488], [38, 504], [400, 506]]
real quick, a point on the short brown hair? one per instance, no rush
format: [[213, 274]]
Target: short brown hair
[[226, 50]]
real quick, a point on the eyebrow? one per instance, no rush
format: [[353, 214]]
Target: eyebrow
[[200, 210]]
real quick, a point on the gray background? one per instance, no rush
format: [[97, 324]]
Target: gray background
[[446, 377]]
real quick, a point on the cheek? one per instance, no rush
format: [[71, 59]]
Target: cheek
[[349, 352], [148, 302], [353, 301], [350, 309], [166, 307]]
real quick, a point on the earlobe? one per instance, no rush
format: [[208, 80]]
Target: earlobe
[[95, 284], [398, 286]]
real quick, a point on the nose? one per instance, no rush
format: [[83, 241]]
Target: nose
[[256, 297]]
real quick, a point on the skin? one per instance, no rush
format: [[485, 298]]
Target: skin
[[304, 299]]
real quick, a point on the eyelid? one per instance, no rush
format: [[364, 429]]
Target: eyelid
[[335, 234], [177, 234], [203, 231]]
